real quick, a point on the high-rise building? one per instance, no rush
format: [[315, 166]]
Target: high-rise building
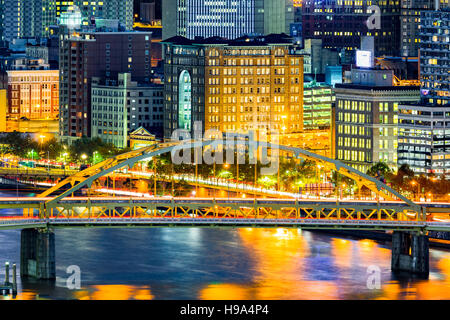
[[233, 85], [318, 58], [424, 137], [33, 94], [147, 12], [11, 19], [2, 17], [141, 6], [366, 118], [409, 25], [47, 50], [341, 24], [122, 106], [318, 99], [26, 18], [84, 55], [228, 19]]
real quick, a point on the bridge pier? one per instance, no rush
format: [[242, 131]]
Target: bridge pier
[[37, 254], [410, 252]]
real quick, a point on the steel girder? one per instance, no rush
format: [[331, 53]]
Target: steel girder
[[107, 167]]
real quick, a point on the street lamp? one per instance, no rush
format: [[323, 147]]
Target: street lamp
[[84, 157], [343, 189], [94, 157], [318, 172], [226, 166], [32, 154], [413, 183], [42, 139], [64, 164]]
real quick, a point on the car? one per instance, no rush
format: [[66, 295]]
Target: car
[[83, 167]]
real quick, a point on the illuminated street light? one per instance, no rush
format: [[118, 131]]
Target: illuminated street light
[[42, 139], [84, 157], [65, 154], [413, 183]]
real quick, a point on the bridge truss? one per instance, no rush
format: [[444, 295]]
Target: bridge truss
[[336, 210], [234, 212]]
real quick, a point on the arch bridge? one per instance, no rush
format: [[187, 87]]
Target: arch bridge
[[392, 211], [403, 209]]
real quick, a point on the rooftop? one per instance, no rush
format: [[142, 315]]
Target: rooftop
[[281, 38], [368, 87]]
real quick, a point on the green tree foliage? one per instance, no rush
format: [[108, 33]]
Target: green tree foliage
[[380, 170], [403, 177], [18, 144], [90, 145], [50, 148]]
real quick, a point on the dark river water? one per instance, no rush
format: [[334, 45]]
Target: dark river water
[[204, 263]]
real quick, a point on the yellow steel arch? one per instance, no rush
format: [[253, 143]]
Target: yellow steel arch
[[86, 177], [82, 176]]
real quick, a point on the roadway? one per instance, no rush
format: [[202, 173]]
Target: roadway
[[325, 224], [167, 199], [439, 212], [25, 171]]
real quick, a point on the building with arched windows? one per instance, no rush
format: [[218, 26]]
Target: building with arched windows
[[249, 83]]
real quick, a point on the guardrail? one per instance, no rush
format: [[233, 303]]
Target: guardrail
[[17, 222], [36, 171]]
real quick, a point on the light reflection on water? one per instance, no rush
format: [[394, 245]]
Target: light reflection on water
[[202, 263]]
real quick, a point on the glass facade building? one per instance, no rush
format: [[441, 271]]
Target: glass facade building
[[424, 128], [229, 19]]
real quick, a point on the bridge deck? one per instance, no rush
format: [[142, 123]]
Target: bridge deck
[[151, 200], [229, 212], [20, 223]]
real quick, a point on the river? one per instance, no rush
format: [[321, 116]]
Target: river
[[206, 263]]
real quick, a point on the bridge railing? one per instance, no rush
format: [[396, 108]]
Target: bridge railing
[[234, 208]]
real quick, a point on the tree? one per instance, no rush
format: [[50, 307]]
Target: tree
[[403, 177], [380, 171], [405, 170], [181, 188], [18, 144], [88, 146], [51, 148]]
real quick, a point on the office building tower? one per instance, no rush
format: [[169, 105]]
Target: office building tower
[[318, 99], [341, 24], [2, 18], [233, 85], [317, 58], [409, 25], [84, 55], [121, 106], [33, 94], [366, 118], [228, 19], [424, 136], [34, 18]]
